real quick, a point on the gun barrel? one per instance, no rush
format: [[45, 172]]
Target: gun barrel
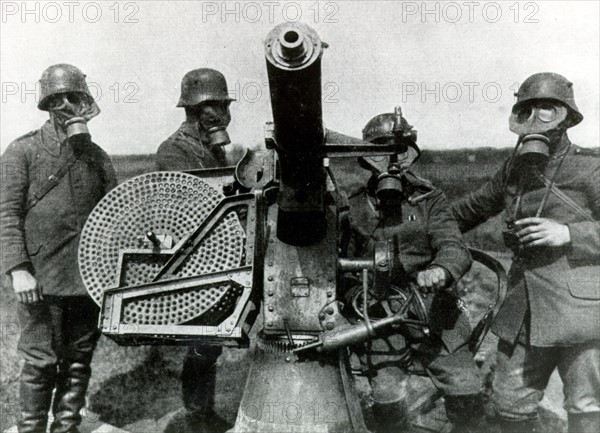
[[293, 54]]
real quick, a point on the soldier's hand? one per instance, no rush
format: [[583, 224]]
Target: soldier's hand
[[433, 279], [26, 286], [534, 232]]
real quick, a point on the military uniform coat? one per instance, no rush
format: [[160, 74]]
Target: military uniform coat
[[554, 292], [47, 236], [184, 150], [427, 235]]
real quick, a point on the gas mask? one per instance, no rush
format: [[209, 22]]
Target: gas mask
[[70, 112], [387, 181], [213, 121], [539, 124]]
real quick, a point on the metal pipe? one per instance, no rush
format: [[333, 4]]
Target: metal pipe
[[353, 265]]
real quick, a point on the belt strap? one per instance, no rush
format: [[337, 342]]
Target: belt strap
[[53, 180], [563, 196]]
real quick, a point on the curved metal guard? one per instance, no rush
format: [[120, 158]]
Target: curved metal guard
[[483, 326]]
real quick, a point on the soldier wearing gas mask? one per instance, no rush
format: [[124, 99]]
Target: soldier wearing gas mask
[[199, 143], [550, 194], [51, 180], [398, 206]]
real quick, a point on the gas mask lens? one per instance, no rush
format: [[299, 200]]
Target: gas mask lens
[[79, 99], [71, 100], [545, 112]]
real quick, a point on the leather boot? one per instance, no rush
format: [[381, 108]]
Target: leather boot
[[584, 422], [209, 422], [466, 413], [36, 394], [70, 397], [185, 422], [199, 378], [198, 383], [390, 417]]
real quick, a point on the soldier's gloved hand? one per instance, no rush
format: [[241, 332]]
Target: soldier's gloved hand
[[534, 232], [26, 287], [433, 279]]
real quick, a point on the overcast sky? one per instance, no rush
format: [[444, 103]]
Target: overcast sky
[[452, 66]]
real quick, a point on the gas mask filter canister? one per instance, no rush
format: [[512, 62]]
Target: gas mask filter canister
[[217, 136], [214, 121]]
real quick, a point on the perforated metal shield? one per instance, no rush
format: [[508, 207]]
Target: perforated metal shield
[[168, 204]]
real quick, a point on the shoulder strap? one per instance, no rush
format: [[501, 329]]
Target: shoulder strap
[[564, 197], [53, 180]]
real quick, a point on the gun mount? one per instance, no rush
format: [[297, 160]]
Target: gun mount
[[190, 257]]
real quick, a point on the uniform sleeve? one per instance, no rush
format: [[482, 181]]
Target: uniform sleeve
[[445, 239], [170, 158], [110, 174], [585, 235], [13, 195], [484, 203]]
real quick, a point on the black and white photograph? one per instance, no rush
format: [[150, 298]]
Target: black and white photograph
[[303, 216]]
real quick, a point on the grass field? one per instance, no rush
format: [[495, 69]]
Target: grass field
[[131, 385]]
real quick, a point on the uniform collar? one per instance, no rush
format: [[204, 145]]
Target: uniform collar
[[563, 147], [191, 129], [50, 140]]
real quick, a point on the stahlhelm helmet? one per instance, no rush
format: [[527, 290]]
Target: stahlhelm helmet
[[549, 86], [61, 78], [201, 85]]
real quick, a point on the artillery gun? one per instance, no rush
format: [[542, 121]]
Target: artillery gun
[[188, 258]]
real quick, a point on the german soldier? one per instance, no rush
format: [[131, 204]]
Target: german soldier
[[52, 179], [550, 319], [198, 143], [415, 216]]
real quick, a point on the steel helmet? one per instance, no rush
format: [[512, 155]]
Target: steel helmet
[[201, 85], [379, 127], [61, 78], [548, 85]]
